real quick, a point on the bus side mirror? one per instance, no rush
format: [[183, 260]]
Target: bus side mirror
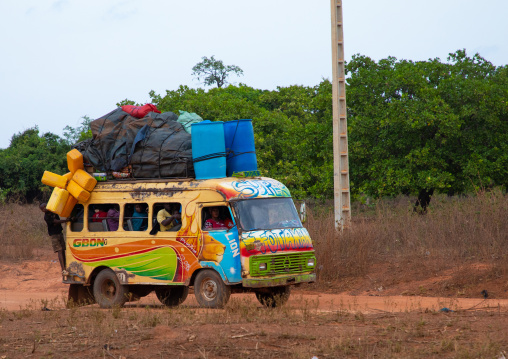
[[303, 212]]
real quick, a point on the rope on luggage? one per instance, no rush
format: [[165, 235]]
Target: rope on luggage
[[209, 156], [231, 153]]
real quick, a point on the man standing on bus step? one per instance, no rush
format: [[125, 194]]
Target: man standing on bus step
[[55, 232]]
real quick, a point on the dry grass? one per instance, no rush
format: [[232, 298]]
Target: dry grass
[[455, 233], [245, 330], [22, 231]]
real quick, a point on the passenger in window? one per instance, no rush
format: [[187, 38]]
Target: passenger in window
[[169, 217], [215, 222], [113, 218], [99, 215], [139, 218]]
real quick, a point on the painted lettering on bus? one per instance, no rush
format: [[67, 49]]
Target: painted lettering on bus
[[277, 240], [253, 189], [233, 244], [90, 242]]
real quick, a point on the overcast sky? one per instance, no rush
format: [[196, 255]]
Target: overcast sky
[[61, 60]]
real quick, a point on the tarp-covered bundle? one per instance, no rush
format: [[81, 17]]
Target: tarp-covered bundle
[[155, 146]]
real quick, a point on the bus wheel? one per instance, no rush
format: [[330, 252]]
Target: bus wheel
[[172, 295], [108, 291], [274, 297], [210, 290]]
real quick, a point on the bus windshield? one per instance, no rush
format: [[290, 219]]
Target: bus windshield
[[267, 213]]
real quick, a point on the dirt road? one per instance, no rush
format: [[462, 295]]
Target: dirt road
[[38, 283], [312, 324]]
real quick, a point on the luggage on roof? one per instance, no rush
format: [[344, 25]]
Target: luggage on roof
[[155, 146]]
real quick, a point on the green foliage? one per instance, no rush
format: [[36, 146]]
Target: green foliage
[[426, 125], [127, 102], [411, 125], [292, 128], [213, 72], [83, 132], [25, 160]]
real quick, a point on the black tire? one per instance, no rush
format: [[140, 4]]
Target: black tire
[[108, 291], [210, 290], [274, 297], [172, 295]]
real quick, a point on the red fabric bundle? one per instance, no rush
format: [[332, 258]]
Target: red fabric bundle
[[140, 111]]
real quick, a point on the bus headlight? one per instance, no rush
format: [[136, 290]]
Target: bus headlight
[[311, 262]]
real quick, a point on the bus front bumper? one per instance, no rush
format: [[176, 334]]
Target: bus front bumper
[[279, 280]]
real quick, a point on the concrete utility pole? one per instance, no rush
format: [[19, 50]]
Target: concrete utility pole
[[342, 202]]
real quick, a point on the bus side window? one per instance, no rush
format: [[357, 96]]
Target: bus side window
[[216, 218], [96, 216], [113, 217], [77, 214], [168, 216], [135, 217]]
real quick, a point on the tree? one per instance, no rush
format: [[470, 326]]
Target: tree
[[292, 128], [127, 102], [212, 71], [416, 127], [25, 160], [74, 135]]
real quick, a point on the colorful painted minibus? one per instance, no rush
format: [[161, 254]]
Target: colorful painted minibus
[[226, 235]]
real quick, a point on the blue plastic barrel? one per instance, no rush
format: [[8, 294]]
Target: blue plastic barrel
[[208, 149], [240, 148]]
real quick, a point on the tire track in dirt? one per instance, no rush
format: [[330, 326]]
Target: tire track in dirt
[[17, 300], [38, 283]]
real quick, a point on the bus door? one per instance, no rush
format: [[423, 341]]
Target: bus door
[[220, 244]]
